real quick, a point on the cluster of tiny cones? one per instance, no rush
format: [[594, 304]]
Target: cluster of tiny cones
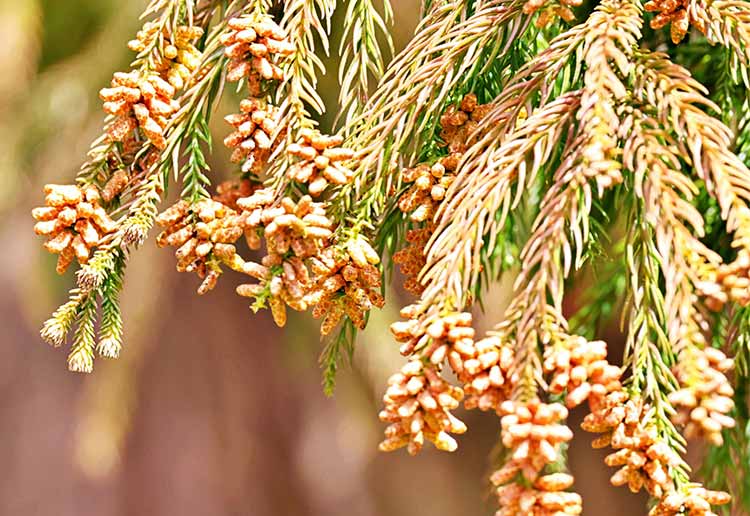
[[144, 101], [73, 221]]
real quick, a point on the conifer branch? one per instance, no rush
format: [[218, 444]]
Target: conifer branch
[[81, 358], [727, 23], [362, 59], [56, 328], [110, 330], [415, 89], [495, 130]]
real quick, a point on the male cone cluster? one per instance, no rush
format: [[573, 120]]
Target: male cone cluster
[[411, 259], [676, 14], [484, 367], [137, 100], [253, 45], [704, 402], [429, 183], [418, 404], [546, 497], [644, 460], [294, 232], [580, 369], [255, 134], [204, 235], [73, 221], [321, 161], [533, 432], [178, 58], [343, 287]]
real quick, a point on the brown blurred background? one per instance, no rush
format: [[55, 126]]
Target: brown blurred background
[[210, 411]]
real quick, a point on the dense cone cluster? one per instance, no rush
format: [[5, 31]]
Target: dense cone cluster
[[139, 100], [547, 497], [411, 259], [293, 232], [459, 123], [693, 501], [484, 367], [435, 338], [418, 404], [428, 187], [178, 58], [344, 287], [253, 46], [705, 399], [532, 431], [421, 200], [301, 268], [676, 14], [321, 161], [429, 183], [255, 134], [73, 221], [644, 460], [579, 369], [204, 235]]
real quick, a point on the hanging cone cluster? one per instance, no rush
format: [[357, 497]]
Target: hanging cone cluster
[[547, 497], [256, 134], [484, 367], [294, 232], [532, 431], [676, 14], [254, 45], [73, 221], [178, 58], [411, 259], [321, 161], [343, 287], [429, 183], [644, 460], [435, 338], [693, 501], [144, 101], [418, 404], [204, 234], [458, 123], [580, 369], [705, 401]]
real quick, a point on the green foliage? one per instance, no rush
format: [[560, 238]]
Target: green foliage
[[81, 358], [334, 352], [607, 286], [194, 178], [110, 329]]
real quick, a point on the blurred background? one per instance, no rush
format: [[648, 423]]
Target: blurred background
[[210, 411]]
